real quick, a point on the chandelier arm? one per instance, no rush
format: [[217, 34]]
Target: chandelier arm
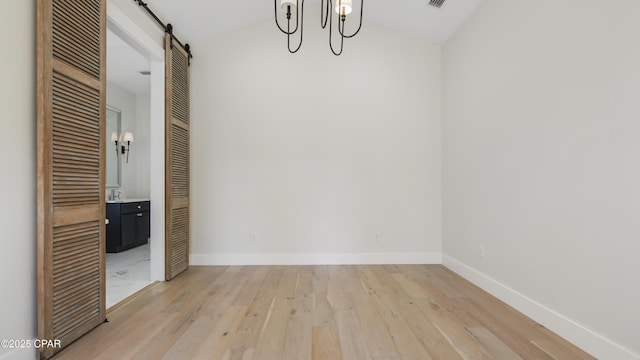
[[330, 38], [275, 9], [301, 21], [359, 27], [322, 16]]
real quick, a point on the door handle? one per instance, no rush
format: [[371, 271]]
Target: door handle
[[139, 214]]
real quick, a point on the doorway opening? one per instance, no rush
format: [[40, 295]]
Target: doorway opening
[[135, 92]]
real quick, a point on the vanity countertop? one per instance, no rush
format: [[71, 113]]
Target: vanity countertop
[[124, 201]]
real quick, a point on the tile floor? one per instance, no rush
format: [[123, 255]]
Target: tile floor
[[126, 273]]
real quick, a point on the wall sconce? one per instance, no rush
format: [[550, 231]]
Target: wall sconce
[[127, 138]]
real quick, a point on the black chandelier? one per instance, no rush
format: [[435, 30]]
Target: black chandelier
[[343, 8]]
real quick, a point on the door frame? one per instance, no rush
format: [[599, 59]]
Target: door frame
[[128, 30]]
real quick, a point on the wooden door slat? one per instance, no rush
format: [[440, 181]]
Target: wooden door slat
[[177, 160], [70, 168]]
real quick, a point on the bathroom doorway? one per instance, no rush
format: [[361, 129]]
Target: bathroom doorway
[[135, 143], [127, 170]]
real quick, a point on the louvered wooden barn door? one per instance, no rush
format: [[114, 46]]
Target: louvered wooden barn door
[[177, 160], [70, 168]]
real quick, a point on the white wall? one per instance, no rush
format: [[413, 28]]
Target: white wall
[[542, 163], [134, 118], [142, 145], [315, 154], [18, 190]]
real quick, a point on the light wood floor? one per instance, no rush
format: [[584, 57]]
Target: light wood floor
[[319, 312]]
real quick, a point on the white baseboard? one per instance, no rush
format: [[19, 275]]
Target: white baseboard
[[315, 258], [591, 342]]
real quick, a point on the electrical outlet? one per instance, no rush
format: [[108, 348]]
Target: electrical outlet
[[254, 238], [482, 250], [376, 237]]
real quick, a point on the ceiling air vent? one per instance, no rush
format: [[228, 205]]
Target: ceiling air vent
[[436, 3]]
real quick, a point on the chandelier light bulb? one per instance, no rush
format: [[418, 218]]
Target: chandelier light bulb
[[285, 3], [293, 26], [343, 7]]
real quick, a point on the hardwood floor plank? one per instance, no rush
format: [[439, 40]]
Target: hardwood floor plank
[[245, 342], [125, 320], [299, 332], [460, 301], [436, 344], [251, 286], [187, 345], [558, 350], [228, 286], [456, 334], [513, 337], [352, 342], [189, 294], [406, 342], [137, 340], [272, 338], [496, 348], [409, 286], [326, 344], [217, 341], [333, 312], [322, 311], [379, 340]]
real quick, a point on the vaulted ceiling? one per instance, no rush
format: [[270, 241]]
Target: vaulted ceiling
[[197, 20]]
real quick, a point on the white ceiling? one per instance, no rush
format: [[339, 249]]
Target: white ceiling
[[196, 20], [124, 64]]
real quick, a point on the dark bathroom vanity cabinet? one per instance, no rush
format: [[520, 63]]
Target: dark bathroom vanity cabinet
[[129, 224]]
